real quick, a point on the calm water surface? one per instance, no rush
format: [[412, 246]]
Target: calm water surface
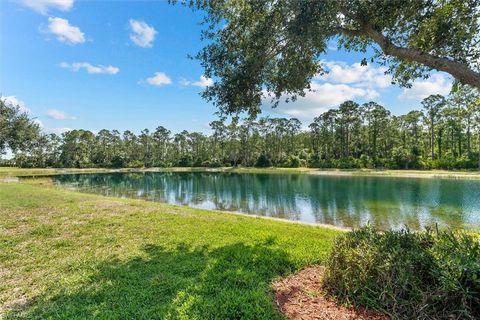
[[336, 200]]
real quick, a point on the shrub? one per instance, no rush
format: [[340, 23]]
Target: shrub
[[347, 163], [263, 161], [118, 162], [135, 164], [185, 161], [366, 161], [211, 164], [215, 164], [294, 162], [407, 275], [197, 162]]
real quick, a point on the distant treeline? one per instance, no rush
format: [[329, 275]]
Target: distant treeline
[[444, 134]]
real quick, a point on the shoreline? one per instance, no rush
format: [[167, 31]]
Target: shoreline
[[7, 172]]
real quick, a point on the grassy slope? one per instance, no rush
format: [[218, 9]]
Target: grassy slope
[[67, 255], [11, 171]]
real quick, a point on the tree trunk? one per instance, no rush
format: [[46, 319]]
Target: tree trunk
[[440, 144], [460, 144], [469, 151], [432, 138]]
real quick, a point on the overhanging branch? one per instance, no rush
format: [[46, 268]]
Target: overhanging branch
[[457, 69]]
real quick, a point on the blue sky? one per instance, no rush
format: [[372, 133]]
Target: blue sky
[[124, 65]]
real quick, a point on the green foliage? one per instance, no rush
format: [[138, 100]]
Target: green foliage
[[263, 161], [118, 161], [185, 161], [211, 164], [276, 47], [135, 164], [445, 135], [407, 275], [294, 162], [17, 130]]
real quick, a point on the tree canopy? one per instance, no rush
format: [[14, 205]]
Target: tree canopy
[[444, 134], [255, 47], [17, 129]]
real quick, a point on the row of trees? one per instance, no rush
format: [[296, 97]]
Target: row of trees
[[444, 134]]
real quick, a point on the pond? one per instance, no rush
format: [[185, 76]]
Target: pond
[[343, 201]]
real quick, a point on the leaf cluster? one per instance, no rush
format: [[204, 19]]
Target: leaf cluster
[[407, 275]]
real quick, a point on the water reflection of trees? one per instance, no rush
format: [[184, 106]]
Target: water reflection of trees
[[341, 201]]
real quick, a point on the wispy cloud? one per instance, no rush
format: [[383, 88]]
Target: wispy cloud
[[59, 115], [43, 6], [142, 34], [159, 79], [92, 69], [65, 32]]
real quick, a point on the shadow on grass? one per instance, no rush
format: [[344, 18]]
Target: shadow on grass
[[230, 282]]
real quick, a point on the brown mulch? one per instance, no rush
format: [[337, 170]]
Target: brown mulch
[[299, 296]]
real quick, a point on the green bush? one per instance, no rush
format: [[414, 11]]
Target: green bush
[[347, 163], [211, 164], [118, 162], [263, 161], [407, 275], [185, 161], [294, 162], [366, 161], [135, 164]]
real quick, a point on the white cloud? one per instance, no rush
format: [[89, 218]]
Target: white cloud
[[323, 96], [43, 6], [203, 82], [371, 94], [159, 79], [356, 74], [59, 115], [343, 82], [65, 32], [92, 69], [436, 84], [13, 101], [142, 34]]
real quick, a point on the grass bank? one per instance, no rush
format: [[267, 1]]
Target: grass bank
[[67, 255], [19, 172], [9, 171]]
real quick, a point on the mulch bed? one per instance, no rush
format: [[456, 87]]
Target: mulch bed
[[299, 296]]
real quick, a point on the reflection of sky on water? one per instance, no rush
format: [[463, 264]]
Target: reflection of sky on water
[[341, 201]]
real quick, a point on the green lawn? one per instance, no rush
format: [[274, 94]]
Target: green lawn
[[67, 255]]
